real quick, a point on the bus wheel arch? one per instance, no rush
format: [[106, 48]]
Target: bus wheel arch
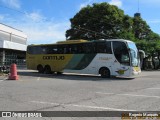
[[40, 68], [105, 72], [47, 69]]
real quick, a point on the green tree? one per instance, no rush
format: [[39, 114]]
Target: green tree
[[153, 36], [127, 32], [103, 21], [142, 31], [100, 21], [150, 47], [140, 28]]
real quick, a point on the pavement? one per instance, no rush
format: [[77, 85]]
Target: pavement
[[68, 92]]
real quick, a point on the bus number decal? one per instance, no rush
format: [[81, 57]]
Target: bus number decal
[[53, 57]]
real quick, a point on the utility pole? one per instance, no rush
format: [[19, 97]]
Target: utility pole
[[138, 6]]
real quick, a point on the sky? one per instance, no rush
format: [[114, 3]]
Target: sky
[[46, 21]]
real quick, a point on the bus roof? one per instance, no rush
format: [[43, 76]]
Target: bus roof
[[72, 41], [124, 40], [80, 41], [63, 42]]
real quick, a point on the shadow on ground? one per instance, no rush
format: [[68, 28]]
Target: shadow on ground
[[70, 76]]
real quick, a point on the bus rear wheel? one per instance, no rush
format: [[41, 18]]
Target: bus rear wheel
[[40, 69], [104, 72], [47, 69]]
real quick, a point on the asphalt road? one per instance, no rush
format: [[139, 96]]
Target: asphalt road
[[40, 92]]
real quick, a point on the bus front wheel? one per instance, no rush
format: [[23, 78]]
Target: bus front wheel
[[59, 73], [40, 69], [104, 72], [47, 69]]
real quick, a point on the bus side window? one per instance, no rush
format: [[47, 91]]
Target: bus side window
[[101, 47], [83, 48], [108, 47], [30, 50], [73, 49], [60, 49], [80, 48], [43, 50], [90, 48], [104, 47], [54, 50], [49, 50], [37, 50], [121, 52], [66, 49]]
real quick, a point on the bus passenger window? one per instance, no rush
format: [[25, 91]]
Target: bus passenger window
[[30, 50], [54, 50], [37, 50], [51, 49], [80, 48], [43, 50], [65, 50], [74, 49], [60, 50], [101, 47], [89, 48], [108, 47]]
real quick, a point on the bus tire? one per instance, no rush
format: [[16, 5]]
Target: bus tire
[[40, 69], [47, 69], [104, 72], [59, 73]]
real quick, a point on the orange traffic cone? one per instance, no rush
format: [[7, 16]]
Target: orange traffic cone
[[13, 73]]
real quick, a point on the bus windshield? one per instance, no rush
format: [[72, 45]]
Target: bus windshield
[[134, 54]]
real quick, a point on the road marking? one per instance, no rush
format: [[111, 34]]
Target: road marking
[[44, 102], [154, 88], [38, 78], [103, 108], [133, 95], [82, 106]]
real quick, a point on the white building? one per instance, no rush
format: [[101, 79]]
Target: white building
[[13, 44]]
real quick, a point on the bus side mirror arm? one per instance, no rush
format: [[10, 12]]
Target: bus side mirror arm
[[143, 53]]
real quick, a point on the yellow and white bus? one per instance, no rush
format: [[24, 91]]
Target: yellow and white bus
[[114, 57]]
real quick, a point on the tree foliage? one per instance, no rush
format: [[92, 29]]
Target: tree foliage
[[99, 21], [150, 47], [142, 30], [103, 21]]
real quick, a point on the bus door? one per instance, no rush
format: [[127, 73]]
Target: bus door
[[121, 64]]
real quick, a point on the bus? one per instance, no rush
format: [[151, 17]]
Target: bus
[[112, 57]]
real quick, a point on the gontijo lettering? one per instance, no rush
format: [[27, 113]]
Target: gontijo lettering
[[53, 57]]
